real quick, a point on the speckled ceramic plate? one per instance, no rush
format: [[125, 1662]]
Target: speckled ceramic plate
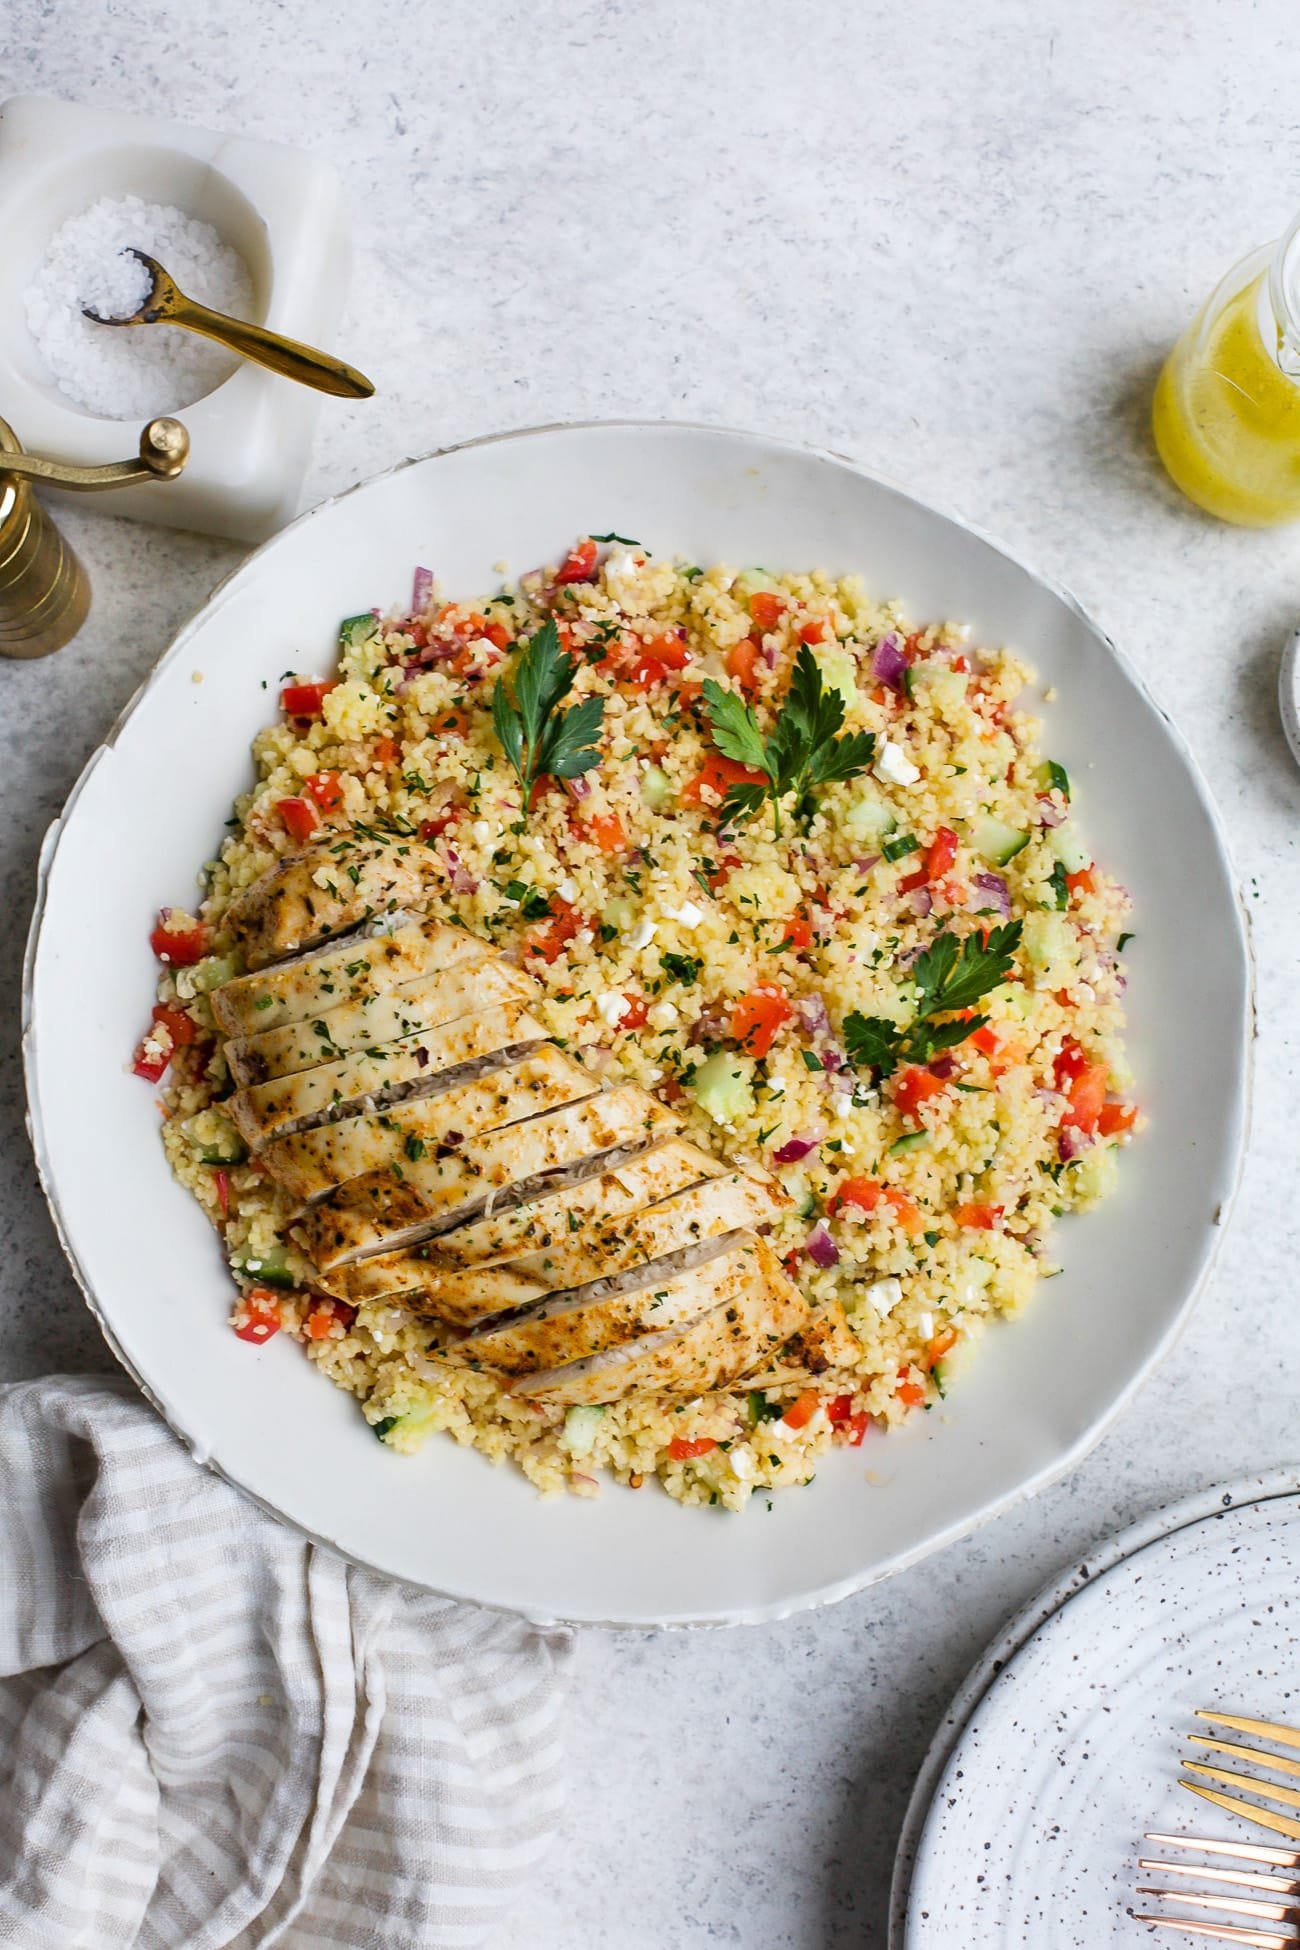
[[1062, 1747], [150, 806]]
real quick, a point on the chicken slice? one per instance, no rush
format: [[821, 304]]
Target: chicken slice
[[378, 1078], [312, 1162], [322, 978], [381, 1211], [587, 1320], [712, 1351], [370, 1021], [613, 1241], [335, 884]]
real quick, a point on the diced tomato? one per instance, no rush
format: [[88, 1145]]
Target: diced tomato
[[152, 1055], [839, 1409], [1087, 1096], [961, 662], [305, 700], [262, 1311], [542, 788], [221, 1180], [387, 751], [977, 1218], [497, 635], [985, 1040], [864, 1194], [815, 630], [942, 1344], [952, 892], [743, 660], [607, 830], [1010, 1056], [855, 1428], [756, 1018], [668, 650], [911, 881], [766, 609], [298, 817], [1081, 882], [1071, 1063], [635, 1014], [941, 853], [722, 871], [179, 947], [717, 775], [910, 1393], [550, 939], [798, 933], [320, 1321], [326, 788], [182, 1028], [1114, 1119], [912, 1088], [802, 1409], [792, 1262], [683, 1447], [437, 823], [579, 565]]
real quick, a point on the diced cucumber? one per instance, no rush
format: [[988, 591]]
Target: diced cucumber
[[265, 1269], [868, 818], [1049, 943], [807, 1205], [995, 841], [1052, 777], [215, 1138], [914, 1141], [750, 580], [656, 788], [619, 912], [1064, 842], [761, 1409], [839, 669], [210, 973], [941, 685], [581, 1427], [1096, 1175], [721, 1088], [356, 630]]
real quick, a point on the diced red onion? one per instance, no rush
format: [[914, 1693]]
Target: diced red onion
[[579, 788], [710, 1026], [796, 1148], [833, 1060], [769, 654], [1069, 1144], [841, 1083], [1050, 814], [821, 1248], [421, 591], [910, 955], [462, 882], [888, 663], [814, 1015], [943, 1067], [865, 866], [596, 1057], [997, 890], [921, 901]]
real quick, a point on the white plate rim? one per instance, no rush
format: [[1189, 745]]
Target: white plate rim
[[1164, 1521], [1048, 1473]]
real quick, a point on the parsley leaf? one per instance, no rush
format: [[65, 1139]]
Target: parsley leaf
[[803, 751], [951, 976], [536, 737], [872, 1042], [680, 968]]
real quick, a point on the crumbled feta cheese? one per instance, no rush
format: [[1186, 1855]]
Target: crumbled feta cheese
[[884, 1295], [742, 1463], [843, 1106], [641, 936], [654, 1074], [663, 1016], [688, 915], [482, 831], [925, 1325], [567, 889], [612, 1008], [775, 1087], [584, 937], [894, 766]]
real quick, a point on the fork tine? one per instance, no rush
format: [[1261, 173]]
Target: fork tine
[[1241, 1878], [1288, 1797], [1278, 1762], [1235, 1905], [1262, 1817], [1221, 1932], [1282, 1858], [1263, 1729]]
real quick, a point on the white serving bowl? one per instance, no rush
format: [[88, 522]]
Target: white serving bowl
[[149, 809]]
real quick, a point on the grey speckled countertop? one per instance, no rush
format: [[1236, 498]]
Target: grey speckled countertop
[[954, 241]]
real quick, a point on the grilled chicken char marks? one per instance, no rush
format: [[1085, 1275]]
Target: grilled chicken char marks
[[715, 1350], [367, 1022], [321, 978], [339, 882], [414, 1065], [378, 1212], [310, 1163]]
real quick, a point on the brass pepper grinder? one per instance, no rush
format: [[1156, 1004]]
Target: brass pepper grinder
[[44, 591]]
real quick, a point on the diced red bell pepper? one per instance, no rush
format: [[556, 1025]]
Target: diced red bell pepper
[[221, 1180], [579, 565], [298, 817], [756, 1018], [606, 830], [855, 1427], [683, 1447], [437, 823], [906, 1210], [912, 1088], [387, 751], [864, 1194], [743, 660], [550, 939], [942, 1344], [497, 635], [1071, 1063], [961, 662], [839, 1409], [326, 788], [305, 700], [718, 773], [320, 1321], [815, 630], [178, 947], [655, 659], [1114, 1119], [722, 871], [260, 1315], [766, 609], [798, 933], [152, 1055], [634, 1016], [1082, 882], [802, 1409], [920, 877], [1087, 1094], [910, 1393], [977, 1218], [985, 1040], [181, 1027], [940, 853]]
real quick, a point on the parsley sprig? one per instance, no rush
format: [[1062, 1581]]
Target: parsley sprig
[[537, 738], [951, 975], [803, 752]]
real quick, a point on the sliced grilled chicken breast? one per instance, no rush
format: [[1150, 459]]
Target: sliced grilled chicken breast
[[591, 1319], [413, 1066], [472, 1293], [335, 884], [381, 1212], [561, 1212], [613, 1241], [322, 978], [373, 1020], [312, 1162], [712, 1351]]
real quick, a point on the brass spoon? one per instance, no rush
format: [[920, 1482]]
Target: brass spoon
[[166, 304]]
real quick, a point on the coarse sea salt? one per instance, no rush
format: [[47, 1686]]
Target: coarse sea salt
[[142, 371]]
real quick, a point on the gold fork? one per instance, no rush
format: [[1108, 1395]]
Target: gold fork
[[1277, 1900]]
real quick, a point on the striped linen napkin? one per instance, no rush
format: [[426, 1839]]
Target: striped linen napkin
[[213, 1733]]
